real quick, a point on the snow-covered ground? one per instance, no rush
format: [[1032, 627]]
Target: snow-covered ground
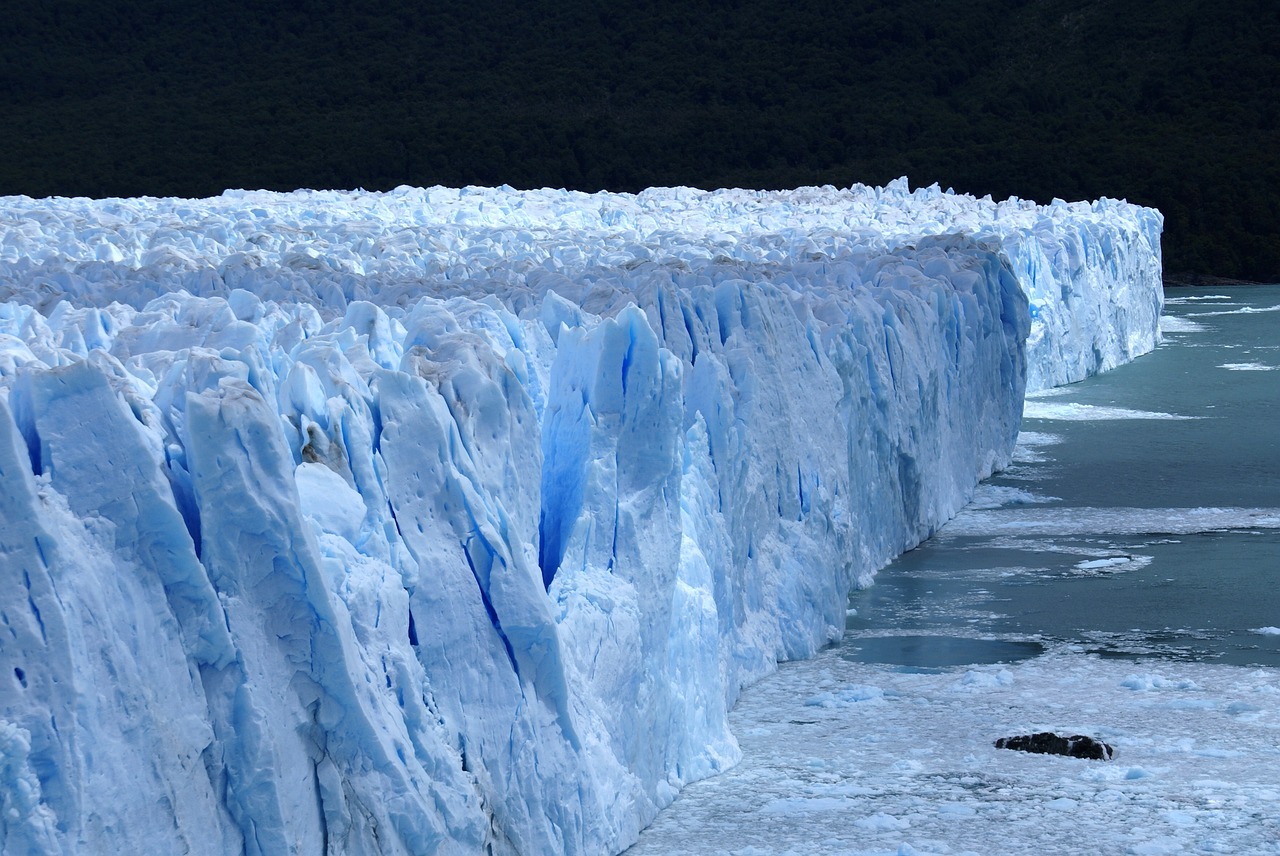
[[449, 520]]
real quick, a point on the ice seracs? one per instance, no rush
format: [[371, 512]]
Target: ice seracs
[[454, 520]]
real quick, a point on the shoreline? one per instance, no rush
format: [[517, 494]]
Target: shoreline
[[1180, 280]]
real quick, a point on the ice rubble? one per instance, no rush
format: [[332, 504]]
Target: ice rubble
[[454, 520], [901, 761]]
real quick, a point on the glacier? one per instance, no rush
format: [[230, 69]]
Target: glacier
[[454, 520]]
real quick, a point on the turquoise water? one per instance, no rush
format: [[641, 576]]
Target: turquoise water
[[1141, 519]]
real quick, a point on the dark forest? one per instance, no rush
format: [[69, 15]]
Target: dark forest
[[1171, 104]]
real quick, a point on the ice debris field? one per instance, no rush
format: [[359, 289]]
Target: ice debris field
[[455, 521], [850, 759]]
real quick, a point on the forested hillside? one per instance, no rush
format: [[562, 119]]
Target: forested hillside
[[1171, 104]]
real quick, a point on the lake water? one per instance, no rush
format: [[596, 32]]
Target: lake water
[[1121, 579], [1142, 517]]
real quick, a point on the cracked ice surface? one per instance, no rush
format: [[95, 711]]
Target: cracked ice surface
[[455, 520]]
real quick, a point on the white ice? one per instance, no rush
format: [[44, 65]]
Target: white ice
[[1178, 324], [988, 496], [455, 520], [1191, 298], [1108, 521], [911, 768], [1029, 448], [1031, 439], [908, 765], [1243, 310], [1075, 412], [1111, 565]]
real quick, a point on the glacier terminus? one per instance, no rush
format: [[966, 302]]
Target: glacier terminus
[[454, 520]]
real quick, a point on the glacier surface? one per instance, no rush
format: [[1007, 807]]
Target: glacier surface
[[454, 521]]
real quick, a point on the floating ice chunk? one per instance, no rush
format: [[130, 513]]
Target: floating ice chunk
[[1216, 752], [1109, 521], [805, 805], [988, 496], [1266, 631], [1191, 298], [1112, 564], [1038, 438], [1176, 324], [982, 679], [1151, 681], [1074, 412], [1243, 310], [1030, 443], [1103, 563], [848, 696], [1237, 708], [881, 822], [1190, 704], [1248, 367]]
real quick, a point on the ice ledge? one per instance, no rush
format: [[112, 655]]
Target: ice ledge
[[454, 520]]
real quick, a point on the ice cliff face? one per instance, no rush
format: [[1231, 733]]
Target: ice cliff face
[[453, 521]]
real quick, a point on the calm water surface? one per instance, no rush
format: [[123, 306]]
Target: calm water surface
[[1141, 518]]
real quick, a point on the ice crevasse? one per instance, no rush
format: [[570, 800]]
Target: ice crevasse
[[453, 521]]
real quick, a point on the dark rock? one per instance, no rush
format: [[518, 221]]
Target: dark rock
[[1048, 743]]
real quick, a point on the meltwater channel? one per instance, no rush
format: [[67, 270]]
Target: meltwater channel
[[1121, 579]]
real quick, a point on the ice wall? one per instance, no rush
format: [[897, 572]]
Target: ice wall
[[454, 520]]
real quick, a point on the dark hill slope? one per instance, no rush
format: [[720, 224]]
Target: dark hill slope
[[1171, 104]]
